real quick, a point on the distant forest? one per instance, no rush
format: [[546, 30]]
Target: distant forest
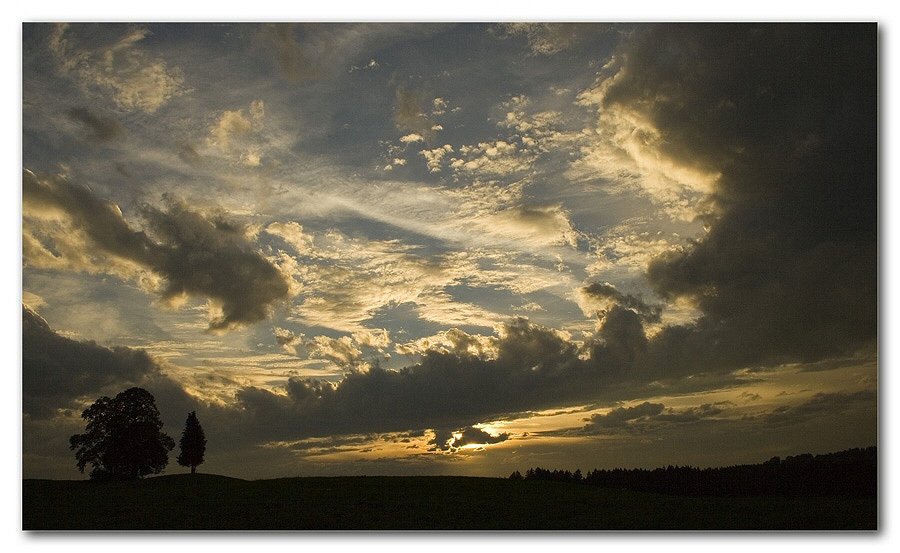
[[853, 472]]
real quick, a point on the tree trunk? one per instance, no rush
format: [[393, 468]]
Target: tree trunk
[[193, 469]]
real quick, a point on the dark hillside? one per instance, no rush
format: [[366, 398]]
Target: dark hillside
[[207, 502]]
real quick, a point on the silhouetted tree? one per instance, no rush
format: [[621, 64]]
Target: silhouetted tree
[[193, 443], [122, 440]]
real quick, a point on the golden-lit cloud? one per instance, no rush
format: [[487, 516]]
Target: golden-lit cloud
[[230, 124], [192, 255], [342, 351], [492, 159], [627, 149], [452, 341], [133, 78], [434, 158], [237, 135]]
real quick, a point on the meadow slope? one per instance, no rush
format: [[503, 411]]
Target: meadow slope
[[210, 502]]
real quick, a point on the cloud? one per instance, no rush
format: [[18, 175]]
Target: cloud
[[412, 138], [212, 257], [602, 296], [647, 416], [772, 279], [536, 225], [299, 60], [134, 79], [693, 414], [621, 339], [472, 435], [788, 268], [373, 338], [342, 351], [453, 341], [288, 340], [188, 153], [306, 52], [238, 135], [527, 345], [531, 367], [621, 417], [439, 106], [543, 38], [534, 142], [410, 115], [501, 215], [536, 131], [292, 233], [229, 124], [627, 149], [57, 371], [434, 158], [452, 441], [493, 159], [818, 406], [343, 282], [443, 437], [96, 128], [533, 135], [66, 226], [623, 249]]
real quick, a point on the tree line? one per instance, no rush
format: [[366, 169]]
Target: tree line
[[123, 439], [852, 472]]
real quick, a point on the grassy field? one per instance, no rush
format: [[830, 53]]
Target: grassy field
[[209, 502]]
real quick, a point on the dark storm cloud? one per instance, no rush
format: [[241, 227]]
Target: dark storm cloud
[[101, 220], [442, 439], [472, 435], [621, 416], [820, 405], [649, 416], [196, 255], [606, 291], [210, 257], [445, 440], [787, 114], [534, 368], [694, 414], [622, 340], [56, 371], [97, 128]]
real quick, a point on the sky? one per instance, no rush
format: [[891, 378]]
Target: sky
[[437, 248]]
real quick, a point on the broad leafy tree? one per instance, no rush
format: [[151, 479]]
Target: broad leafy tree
[[193, 443], [122, 440]]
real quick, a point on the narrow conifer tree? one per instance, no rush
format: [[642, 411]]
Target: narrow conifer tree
[[193, 443]]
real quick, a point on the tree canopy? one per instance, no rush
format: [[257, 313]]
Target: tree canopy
[[122, 440], [193, 443]]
